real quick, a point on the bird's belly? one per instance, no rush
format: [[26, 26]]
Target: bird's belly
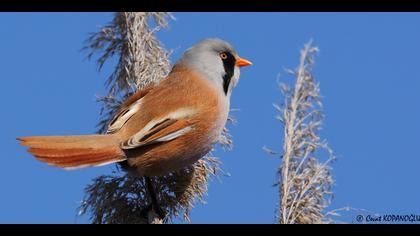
[[162, 158]]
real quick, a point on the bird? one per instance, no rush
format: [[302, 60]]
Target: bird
[[165, 126]]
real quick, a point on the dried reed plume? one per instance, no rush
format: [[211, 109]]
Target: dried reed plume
[[122, 197], [141, 59], [305, 181]]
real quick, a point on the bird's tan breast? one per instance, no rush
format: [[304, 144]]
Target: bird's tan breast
[[182, 89]]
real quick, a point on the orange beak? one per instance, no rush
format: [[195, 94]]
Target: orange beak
[[242, 62]]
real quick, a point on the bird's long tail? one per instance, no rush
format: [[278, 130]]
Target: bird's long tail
[[73, 152]]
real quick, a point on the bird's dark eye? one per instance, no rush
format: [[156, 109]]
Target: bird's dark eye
[[223, 55]]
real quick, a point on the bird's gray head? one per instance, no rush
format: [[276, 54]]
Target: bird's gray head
[[217, 61]]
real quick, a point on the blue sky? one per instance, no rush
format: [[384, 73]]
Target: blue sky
[[367, 69]]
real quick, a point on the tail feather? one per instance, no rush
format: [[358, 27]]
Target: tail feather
[[73, 152]]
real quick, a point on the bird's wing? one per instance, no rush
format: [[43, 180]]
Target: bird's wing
[[165, 129], [127, 110]]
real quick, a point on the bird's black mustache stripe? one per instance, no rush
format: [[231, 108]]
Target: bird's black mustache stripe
[[229, 66]]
